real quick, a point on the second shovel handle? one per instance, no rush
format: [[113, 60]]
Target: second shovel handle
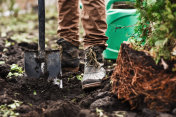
[[41, 18]]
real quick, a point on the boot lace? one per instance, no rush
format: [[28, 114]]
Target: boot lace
[[92, 58]]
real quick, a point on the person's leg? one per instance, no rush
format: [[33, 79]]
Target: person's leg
[[94, 22], [68, 32], [68, 21]]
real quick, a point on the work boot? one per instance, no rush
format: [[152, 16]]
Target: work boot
[[93, 70], [69, 56]]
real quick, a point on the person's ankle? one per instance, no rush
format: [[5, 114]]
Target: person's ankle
[[69, 56]]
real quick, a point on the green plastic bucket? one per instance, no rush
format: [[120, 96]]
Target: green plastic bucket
[[121, 24]]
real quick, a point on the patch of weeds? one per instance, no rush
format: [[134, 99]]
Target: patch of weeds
[[100, 113], [79, 77], [15, 70], [2, 62], [5, 50], [9, 110], [34, 92], [8, 44], [15, 104]]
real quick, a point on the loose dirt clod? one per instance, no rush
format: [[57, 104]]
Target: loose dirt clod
[[140, 81], [62, 109]]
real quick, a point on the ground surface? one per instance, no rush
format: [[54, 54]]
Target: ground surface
[[42, 98], [39, 98]]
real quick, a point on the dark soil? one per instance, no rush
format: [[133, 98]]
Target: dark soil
[[44, 99]]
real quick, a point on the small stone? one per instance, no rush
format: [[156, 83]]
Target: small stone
[[24, 109], [85, 113], [86, 102], [120, 114], [131, 114], [102, 94], [105, 102], [149, 113], [174, 111], [165, 115], [4, 99]]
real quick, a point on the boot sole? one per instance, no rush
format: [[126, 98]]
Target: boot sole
[[91, 85]]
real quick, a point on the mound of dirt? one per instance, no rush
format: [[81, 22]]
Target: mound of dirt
[[63, 109], [140, 81], [49, 109]]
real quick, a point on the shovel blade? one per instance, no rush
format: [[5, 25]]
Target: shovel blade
[[53, 63], [31, 65], [51, 68]]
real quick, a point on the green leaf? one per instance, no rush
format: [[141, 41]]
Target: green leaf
[[12, 106], [8, 110], [15, 67], [151, 2], [163, 27], [79, 77], [10, 74], [7, 43], [159, 43], [171, 17], [34, 93], [15, 70], [3, 34], [2, 62]]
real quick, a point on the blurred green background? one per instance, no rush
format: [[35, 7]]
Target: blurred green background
[[19, 21]]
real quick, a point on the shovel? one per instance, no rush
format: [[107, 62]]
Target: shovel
[[42, 63]]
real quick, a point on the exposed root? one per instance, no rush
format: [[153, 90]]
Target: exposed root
[[137, 78]]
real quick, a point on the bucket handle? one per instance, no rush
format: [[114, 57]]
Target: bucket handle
[[110, 2]]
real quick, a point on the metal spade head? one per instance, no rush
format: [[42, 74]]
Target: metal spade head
[[42, 63], [36, 67]]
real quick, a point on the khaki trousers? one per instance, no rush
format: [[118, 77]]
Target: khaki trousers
[[93, 20]]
